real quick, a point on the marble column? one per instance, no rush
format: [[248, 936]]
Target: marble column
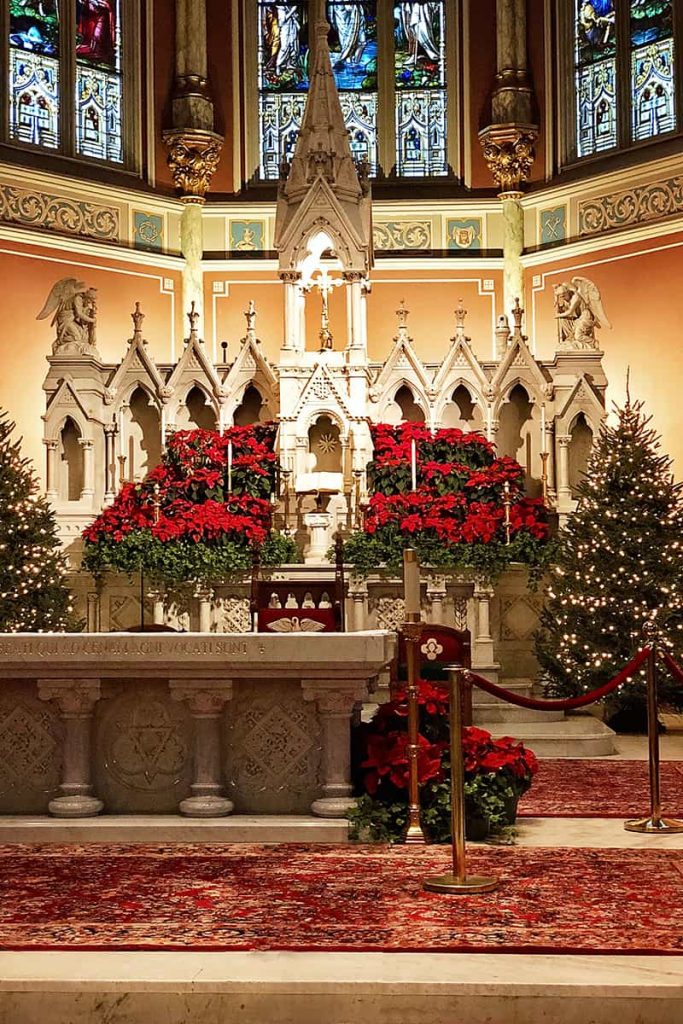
[[513, 247], [354, 283], [193, 146], [205, 700], [335, 703], [88, 448], [51, 449], [76, 699], [205, 599], [436, 594], [109, 463], [358, 593], [482, 648], [550, 448], [564, 493], [294, 336]]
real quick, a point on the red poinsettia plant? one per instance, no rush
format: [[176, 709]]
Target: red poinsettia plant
[[449, 496], [497, 771], [201, 514]]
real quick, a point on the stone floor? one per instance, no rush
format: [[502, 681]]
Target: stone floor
[[344, 988]]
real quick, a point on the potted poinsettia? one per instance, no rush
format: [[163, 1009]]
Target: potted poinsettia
[[497, 773]]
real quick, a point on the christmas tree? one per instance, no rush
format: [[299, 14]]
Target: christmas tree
[[33, 593], [620, 557]]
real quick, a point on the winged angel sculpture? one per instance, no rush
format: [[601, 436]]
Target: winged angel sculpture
[[296, 625], [579, 311], [74, 306]]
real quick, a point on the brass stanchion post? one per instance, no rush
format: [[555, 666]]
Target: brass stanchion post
[[412, 631], [458, 881], [654, 823]]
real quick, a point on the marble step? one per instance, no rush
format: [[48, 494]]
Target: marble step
[[511, 714], [521, 687], [168, 828], [576, 736]]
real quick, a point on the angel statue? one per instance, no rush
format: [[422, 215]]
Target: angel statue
[[75, 317], [579, 311]]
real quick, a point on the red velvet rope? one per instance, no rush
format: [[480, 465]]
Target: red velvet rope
[[570, 703], [673, 668]]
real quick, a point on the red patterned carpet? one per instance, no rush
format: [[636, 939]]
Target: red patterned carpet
[[321, 898], [604, 788]]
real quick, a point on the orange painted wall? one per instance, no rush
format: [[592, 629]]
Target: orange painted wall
[[640, 287], [27, 275]]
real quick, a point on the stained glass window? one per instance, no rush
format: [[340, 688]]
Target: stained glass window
[[98, 79], [420, 77], [65, 64], [353, 47], [596, 76], [620, 41], [652, 68], [283, 58], [34, 72]]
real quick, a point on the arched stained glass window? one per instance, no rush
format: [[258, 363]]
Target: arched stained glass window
[[66, 76], [624, 72], [283, 58], [420, 71], [652, 68], [34, 38], [98, 79], [365, 36]]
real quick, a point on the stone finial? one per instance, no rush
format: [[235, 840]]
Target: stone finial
[[460, 314], [250, 317], [193, 317], [517, 318], [502, 333], [138, 317]]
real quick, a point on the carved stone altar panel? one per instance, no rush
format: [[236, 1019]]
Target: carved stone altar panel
[[30, 750], [389, 613], [273, 745], [233, 615], [142, 749]]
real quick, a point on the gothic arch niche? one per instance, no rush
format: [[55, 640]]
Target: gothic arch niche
[[404, 408], [579, 451], [199, 412], [324, 445], [461, 411], [515, 433], [144, 440], [72, 461], [251, 409]]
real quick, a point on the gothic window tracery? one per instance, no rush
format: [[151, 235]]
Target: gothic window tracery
[[66, 80], [364, 37], [624, 72]]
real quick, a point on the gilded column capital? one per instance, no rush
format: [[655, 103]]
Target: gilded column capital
[[509, 152], [193, 155]]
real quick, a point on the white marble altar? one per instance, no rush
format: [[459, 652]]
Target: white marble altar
[[139, 723]]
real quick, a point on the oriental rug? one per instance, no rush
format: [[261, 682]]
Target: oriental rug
[[344, 898], [600, 788]]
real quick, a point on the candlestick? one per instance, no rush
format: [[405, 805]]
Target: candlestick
[[506, 505], [122, 445], [413, 464], [229, 467], [411, 584]]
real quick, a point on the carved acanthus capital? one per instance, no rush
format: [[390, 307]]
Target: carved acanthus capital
[[564, 440], [509, 152], [75, 698], [338, 700], [204, 697], [193, 156]]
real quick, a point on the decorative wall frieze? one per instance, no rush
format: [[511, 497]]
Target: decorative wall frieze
[[193, 156], [509, 151], [59, 213], [631, 206], [402, 234]]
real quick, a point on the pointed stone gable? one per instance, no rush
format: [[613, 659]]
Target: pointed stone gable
[[402, 362], [582, 398], [323, 191], [518, 362], [193, 362], [461, 362], [137, 365], [321, 390]]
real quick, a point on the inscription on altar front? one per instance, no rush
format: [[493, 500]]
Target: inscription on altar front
[[112, 647]]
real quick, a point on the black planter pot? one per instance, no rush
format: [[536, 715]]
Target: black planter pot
[[476, 827]]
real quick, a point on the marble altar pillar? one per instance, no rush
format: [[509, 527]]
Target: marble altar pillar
[[76, 699], [335, 708], [51, 448], [88, 449], [205, 700], [564, 493]]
